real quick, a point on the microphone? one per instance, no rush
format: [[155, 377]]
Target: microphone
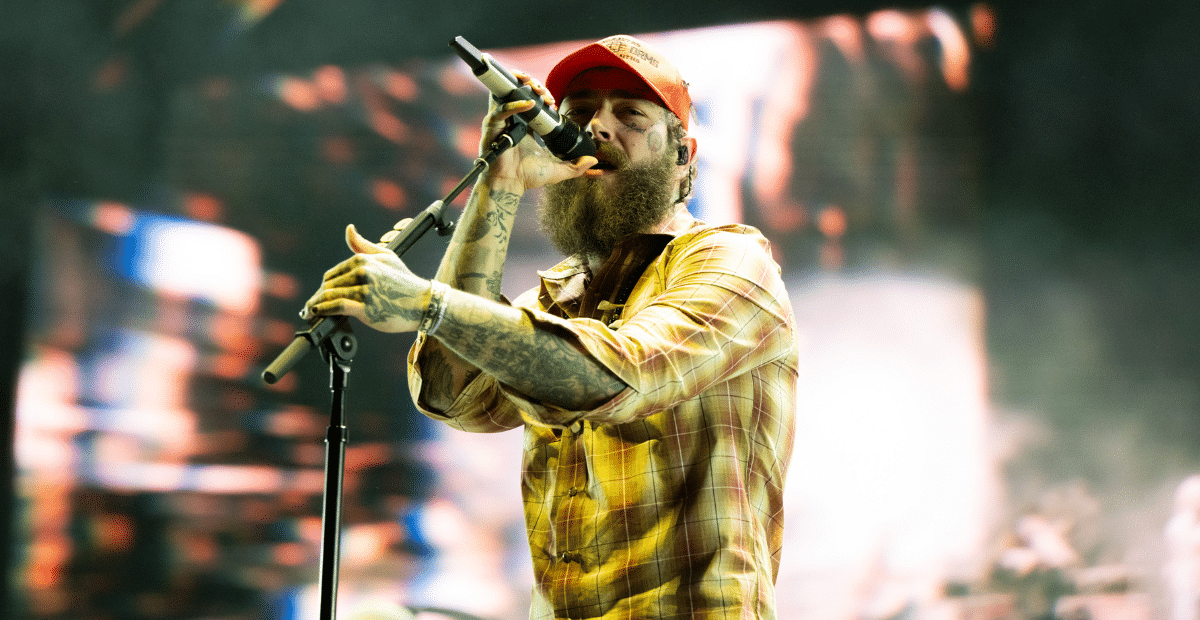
[[561, 135]]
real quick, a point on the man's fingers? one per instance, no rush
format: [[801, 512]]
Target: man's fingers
[[396, 230], [360, 244], [343, 300], [512, 107]]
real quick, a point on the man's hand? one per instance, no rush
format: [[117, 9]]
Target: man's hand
[[528, 165], [373, 286]]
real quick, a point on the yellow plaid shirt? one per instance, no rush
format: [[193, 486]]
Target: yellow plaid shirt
[[666, 501]]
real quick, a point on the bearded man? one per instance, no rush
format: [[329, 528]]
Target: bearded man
[[652, 371]]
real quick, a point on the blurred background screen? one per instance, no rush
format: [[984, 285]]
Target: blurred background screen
[[984, 214]]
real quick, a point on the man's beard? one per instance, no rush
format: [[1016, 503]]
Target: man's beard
[[580, 217]]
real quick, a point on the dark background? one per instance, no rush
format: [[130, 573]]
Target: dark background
[[1088, 111]]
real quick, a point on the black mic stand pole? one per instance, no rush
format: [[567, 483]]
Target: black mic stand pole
[[338, 346]]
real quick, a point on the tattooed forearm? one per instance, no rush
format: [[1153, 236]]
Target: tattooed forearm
[[387, 303], [473, 263], [496, 218], [499, 340], [491, 282], [480, 245]]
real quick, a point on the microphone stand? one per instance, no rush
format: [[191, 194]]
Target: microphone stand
[[338, 346]]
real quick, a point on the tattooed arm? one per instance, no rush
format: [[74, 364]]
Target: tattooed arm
[[476, 333], [474, 260], [546, 366], [473, 263]]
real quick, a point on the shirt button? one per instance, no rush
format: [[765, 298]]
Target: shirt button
[[573, 492], [577, 428]]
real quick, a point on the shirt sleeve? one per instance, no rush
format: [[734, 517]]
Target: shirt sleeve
[[719, 310], [479, 408]]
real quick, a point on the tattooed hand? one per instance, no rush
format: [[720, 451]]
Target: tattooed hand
[[529, 165], [373, 286]]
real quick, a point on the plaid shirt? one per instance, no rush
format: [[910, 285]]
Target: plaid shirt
[[666, 501]]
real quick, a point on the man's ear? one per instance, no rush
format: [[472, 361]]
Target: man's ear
[[685, 155]]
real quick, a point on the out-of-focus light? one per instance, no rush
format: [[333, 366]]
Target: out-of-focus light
[[892, 25], [239, 479], [399, 85], [202, 206], [832, 222], [187, 259], [846, 33], [330, 81], [466, 141], [389, 125], [338, 150], [231, 366], [253, 11], [218, 88], [389, 194], [113, 218], [456, 79], [281, 285], [278, 332], [298, 93], [983, 23], [956, 54]]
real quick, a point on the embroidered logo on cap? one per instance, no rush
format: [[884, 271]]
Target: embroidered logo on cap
[[630, 50]]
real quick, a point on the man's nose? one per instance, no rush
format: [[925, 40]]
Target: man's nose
[[599, 128]]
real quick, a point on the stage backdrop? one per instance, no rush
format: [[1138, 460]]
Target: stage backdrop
[[159, 477]]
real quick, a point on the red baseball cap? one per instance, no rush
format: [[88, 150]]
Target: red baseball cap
[[629, 54]]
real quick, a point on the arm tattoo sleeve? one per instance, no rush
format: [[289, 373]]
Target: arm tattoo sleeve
[[544, 365]]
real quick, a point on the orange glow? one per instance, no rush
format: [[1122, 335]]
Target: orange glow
[[288, 383], [135, 14], [956, 55], [466, 141], [230, 366], [832, 222], [291, 554], [281, 285], [298, 93], [278, 332], [844, 31], [338, 150], [218, 88], [892, 25], [113, 532], [400, 86], [389, 194], [456, 79], [113, 218], [51, 552], [254, 10], [231, 332], [294, 421], [330, 82], [389, 126], [204, 207], [983, 22]]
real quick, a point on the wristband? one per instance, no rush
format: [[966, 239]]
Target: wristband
[[436, 309]]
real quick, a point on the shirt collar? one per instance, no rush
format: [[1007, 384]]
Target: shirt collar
[[564, 284]]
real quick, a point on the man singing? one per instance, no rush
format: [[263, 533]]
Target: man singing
[[652, 371]]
